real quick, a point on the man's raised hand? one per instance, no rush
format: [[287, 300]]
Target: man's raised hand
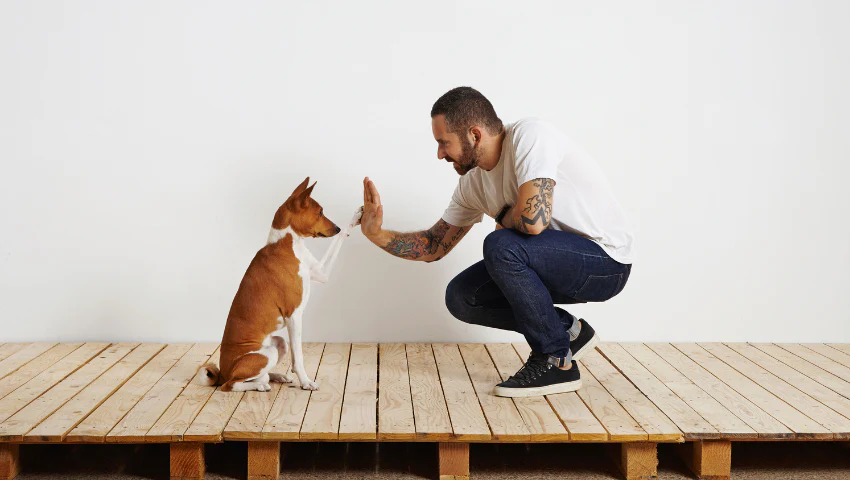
[[373, 211]]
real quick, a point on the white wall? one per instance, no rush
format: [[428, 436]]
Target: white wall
[[146, 145]]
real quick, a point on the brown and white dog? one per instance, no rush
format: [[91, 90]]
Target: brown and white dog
[[273, 294]]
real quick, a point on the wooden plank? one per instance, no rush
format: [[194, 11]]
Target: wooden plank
[[805, 404], [321, 422], [56, 426], [540, 418], [97, 425], [35, 367], [821, 361], [18, 425], [22, 356], [208, 426], [765, 425], [576, 417], [468, 422], [359, 409], [803, 426], [395, 405], [287, 412], [502, 415], [187, 461], [171, 426], [430, 413], [454, 460], [830, 398], [834, 354], [657, 426], [263, 460], [133, 427], [250, 416], [8, 349], [842, 347], [724, 421], [810, 370], [683, 416], [42, 382]]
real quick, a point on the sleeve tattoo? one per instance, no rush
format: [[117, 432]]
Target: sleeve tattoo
[[538, 206], [427, 243]]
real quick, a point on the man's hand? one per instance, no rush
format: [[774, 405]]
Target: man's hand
[[373, 211]]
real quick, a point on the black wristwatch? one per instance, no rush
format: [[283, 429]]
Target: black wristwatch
[[502, 213]]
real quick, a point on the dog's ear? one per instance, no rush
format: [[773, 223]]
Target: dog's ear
[[300, 188], [302, 198]]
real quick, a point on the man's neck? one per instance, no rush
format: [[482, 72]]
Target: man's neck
[[492, 151]]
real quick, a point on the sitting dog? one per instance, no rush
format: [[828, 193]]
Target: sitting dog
[[273, 294]]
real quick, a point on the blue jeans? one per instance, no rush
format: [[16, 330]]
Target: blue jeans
[[522, 276]]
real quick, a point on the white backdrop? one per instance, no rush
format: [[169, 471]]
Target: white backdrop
[[146, 145]]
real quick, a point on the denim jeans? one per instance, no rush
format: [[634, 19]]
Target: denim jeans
[[522, 276]]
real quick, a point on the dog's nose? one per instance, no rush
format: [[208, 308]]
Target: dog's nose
[[337, 230]]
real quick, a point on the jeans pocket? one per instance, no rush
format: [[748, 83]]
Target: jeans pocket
[[598, 288]]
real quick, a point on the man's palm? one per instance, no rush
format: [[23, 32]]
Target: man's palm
[[373, 211]]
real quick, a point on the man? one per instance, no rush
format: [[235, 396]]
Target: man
[[561, 236]]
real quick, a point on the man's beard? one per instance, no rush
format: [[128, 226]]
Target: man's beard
[[469, 158]]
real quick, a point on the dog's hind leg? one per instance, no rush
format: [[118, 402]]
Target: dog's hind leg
[[250, 372]]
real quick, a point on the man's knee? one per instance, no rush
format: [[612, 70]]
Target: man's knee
[[458, 300], [502, 246]]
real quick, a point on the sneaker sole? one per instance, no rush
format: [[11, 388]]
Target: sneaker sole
[[537, 391], [590, 345]]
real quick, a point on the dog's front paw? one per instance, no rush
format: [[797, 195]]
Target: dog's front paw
[[264, 387], [310, 385], [355, 220], [280, 377]]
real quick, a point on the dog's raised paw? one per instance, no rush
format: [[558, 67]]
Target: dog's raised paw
[[357, 216], [308, 385]]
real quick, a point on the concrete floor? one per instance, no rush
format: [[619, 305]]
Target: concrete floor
[[350, 461]]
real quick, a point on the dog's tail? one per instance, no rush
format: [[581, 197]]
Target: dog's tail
[[208, 375]]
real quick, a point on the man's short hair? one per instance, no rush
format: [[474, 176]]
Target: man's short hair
[[465, 107]]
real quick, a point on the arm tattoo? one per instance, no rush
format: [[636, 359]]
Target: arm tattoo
[[539, 206], [416, 245]]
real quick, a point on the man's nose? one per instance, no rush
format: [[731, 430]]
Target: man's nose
[[440, 153]]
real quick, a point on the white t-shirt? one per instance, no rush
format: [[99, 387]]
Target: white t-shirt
[[582, 203]]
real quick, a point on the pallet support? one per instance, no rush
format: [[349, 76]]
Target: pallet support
[[263, 460], [187, 461], [708, 459], [637, 460], [454, 460]]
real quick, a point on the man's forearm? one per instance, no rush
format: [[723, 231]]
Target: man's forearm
[[422, 245]]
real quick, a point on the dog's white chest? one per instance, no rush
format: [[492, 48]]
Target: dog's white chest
[[304, 257]]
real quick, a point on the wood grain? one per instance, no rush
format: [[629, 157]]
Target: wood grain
[[395, 405], [359, 408]]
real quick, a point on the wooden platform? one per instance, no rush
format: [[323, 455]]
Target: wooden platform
[[634, 396]]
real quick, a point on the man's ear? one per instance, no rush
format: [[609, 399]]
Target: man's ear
[[475, 131], [300, 188]]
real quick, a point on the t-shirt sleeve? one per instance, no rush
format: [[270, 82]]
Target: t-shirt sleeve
[[538, 152], [459, 212]]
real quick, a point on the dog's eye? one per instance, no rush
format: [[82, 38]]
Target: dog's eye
[[321, 212]]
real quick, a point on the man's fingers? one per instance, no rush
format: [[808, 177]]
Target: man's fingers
[[374, 191], [366, 197]]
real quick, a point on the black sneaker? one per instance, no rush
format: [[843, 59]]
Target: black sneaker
[[586, 341], [539, 377]]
